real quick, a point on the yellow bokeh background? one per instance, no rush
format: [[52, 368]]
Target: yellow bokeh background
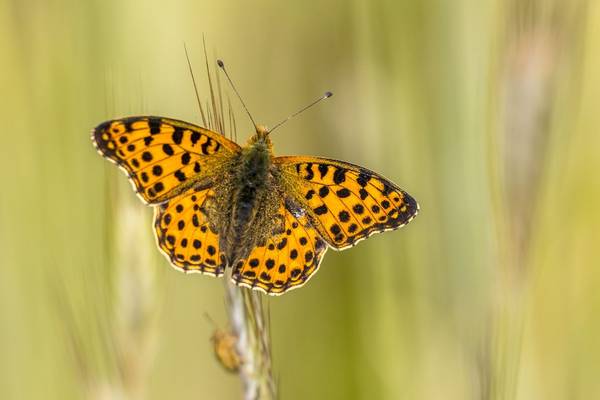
[[485, 111]]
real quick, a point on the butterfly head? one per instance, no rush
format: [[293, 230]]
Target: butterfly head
[[262, 131], [261, 137]]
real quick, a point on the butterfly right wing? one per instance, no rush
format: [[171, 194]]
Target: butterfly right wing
[[162, 157], [185, 235], [347, 203]]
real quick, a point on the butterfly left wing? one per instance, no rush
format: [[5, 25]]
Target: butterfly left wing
[[186, 236], [288, 258], [346, 203], [161, 156]]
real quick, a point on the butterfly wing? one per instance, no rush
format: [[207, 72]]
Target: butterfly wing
[[185, 235], [348, 203], [288, 258], [160, 155]]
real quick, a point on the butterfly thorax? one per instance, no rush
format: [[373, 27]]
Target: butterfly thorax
[[247, 198]]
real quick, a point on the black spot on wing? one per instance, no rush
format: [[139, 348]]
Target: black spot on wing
[[363, 179], [282, 244], [343, 193], [167, 149], [177, 135], [180, 175], [322, 209], [128, 122], [323, 168], [195, 137], [339, 176], [344, 216], [309, 172], [387, 189], [204, 146], [154, 125]]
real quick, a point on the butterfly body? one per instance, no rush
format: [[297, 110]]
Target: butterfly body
[[247, 192], [270, 219]]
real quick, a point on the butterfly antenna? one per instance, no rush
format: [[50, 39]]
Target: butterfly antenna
[[194, 82], [325, 96], [222, 66]]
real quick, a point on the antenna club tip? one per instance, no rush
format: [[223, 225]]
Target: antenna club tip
[[327, 95], [220, 63]]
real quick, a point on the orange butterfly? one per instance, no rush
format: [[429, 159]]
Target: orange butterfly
[[270, 219]]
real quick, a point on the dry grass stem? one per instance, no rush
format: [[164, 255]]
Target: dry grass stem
[[248, 318]]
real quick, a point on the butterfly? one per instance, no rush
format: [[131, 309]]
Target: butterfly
[[219, 205]]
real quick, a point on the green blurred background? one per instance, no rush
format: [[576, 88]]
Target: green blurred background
[[485, 111]]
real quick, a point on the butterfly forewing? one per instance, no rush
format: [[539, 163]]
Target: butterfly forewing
[[161, 156], [288, 258], [348, 202], [185, 234]]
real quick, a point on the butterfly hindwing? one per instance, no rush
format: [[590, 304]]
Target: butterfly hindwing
[[349, 202], [185, 235], [287, 259], [160, 155]]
